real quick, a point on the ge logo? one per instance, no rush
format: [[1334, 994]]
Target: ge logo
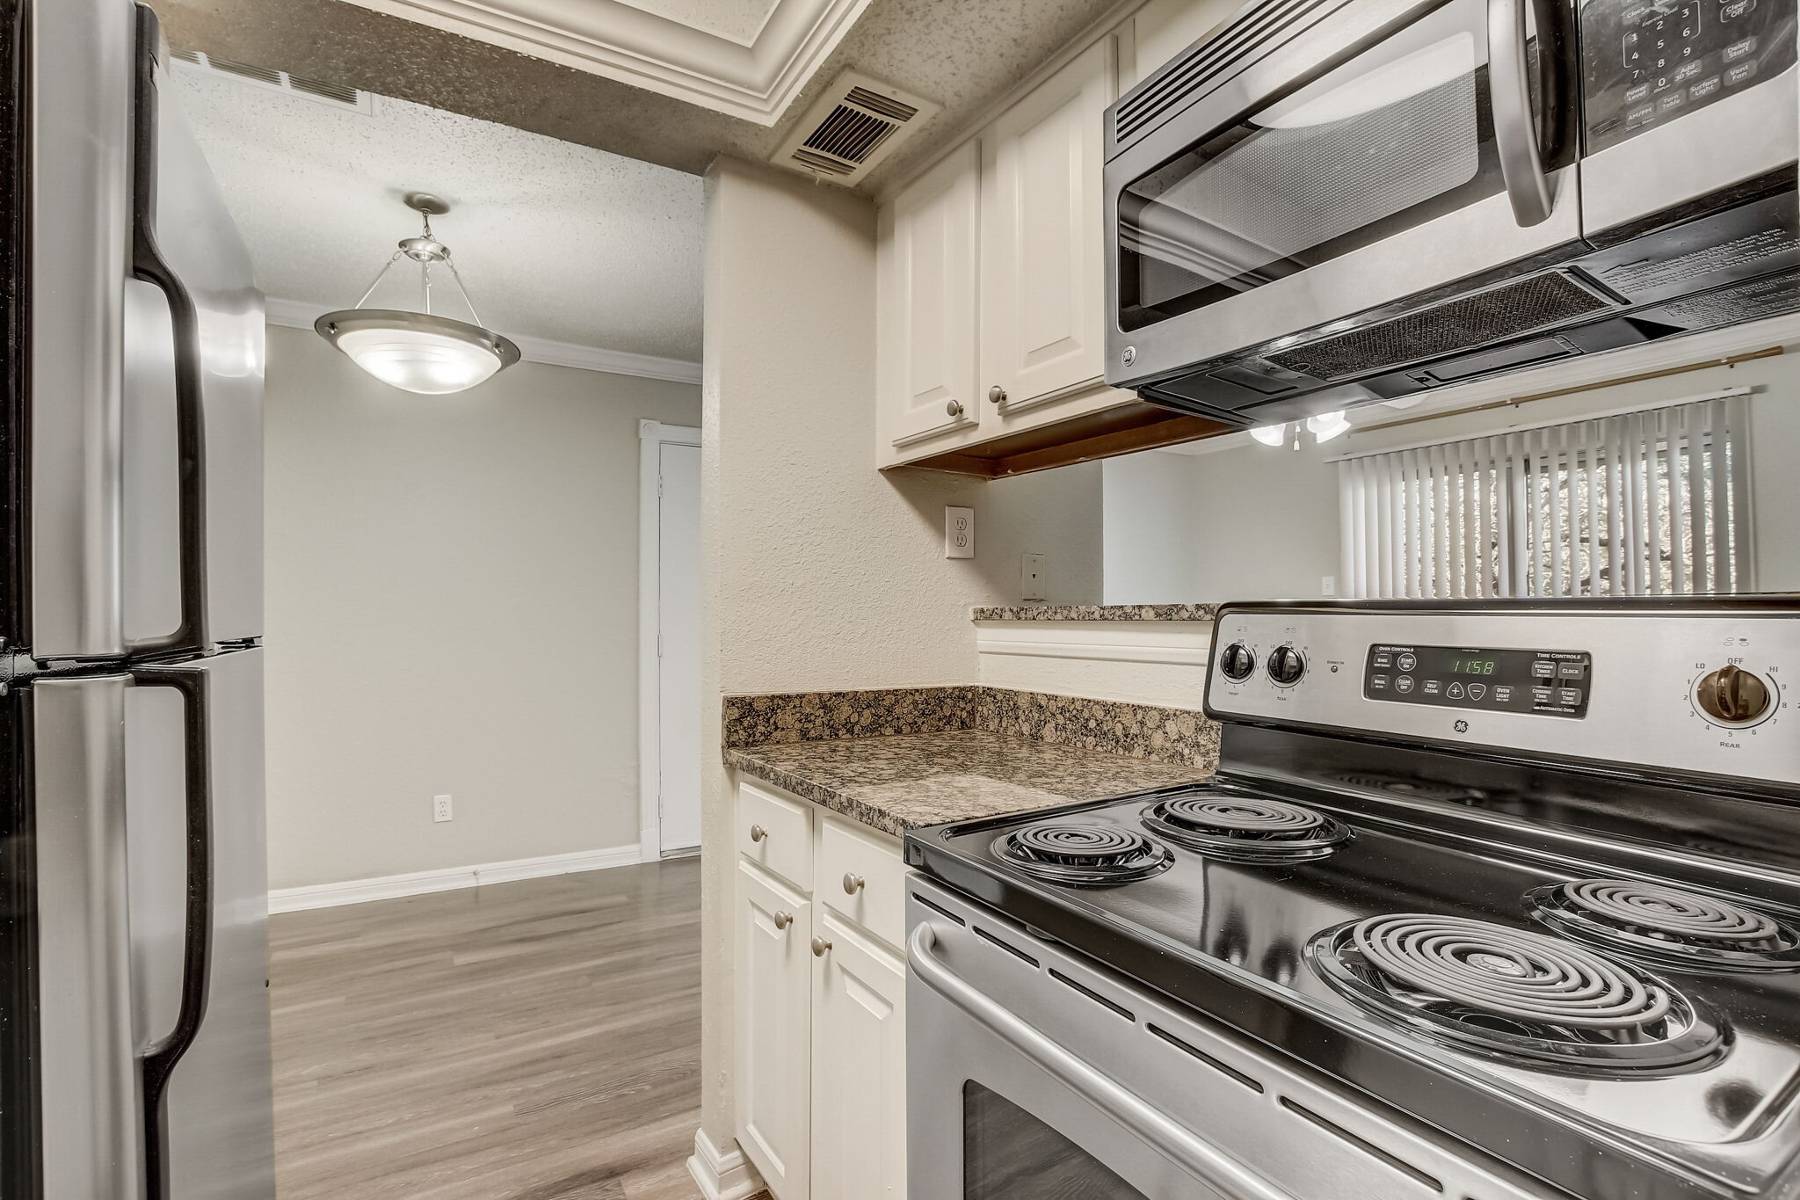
[[1462, 727]]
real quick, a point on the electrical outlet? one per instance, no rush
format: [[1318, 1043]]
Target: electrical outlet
[[1328, 585], [440, 808], [1031, 577], [959, 532]]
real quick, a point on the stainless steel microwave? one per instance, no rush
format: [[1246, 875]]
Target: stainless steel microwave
[[1328, 202]]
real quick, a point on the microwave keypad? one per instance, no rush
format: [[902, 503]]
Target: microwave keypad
[[1649, 63]]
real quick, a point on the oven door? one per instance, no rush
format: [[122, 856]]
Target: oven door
[[1032, 1074], [1389, 149]]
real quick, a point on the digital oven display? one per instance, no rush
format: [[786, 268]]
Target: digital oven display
[[1550, 683]]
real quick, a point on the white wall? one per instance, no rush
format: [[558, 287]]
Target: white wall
[[823, 573], [452, 607], [1264, 522], [1150, 529]]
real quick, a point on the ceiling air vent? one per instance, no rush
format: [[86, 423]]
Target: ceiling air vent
[[334, 94], [854, 124]]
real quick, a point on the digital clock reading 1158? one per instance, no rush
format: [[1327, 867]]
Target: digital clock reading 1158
[[1473, 666]]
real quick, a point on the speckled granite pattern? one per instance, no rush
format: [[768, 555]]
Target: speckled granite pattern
[[1133, 730], [1099, 612], [877, 712], [898, 783]]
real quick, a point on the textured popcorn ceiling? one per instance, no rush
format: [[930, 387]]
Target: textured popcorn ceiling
[[554, 240], [962, 53]]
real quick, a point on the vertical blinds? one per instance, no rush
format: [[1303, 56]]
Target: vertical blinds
[[1643, 503]]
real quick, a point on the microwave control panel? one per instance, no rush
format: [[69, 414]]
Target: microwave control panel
[[1648, 62]]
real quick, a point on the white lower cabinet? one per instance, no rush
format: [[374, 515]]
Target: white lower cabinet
[[774, 1031], [820, 1009], [858, 1051]]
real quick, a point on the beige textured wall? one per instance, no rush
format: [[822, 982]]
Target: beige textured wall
[[452, 607], [822, 572]]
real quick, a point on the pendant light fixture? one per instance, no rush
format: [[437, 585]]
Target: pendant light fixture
[[420, 351]]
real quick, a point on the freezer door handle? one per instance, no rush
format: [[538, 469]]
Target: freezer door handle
[[149, 265], [161, 1057]]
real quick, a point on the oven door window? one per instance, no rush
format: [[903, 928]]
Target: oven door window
[[1396, 136], [1008, 1154]]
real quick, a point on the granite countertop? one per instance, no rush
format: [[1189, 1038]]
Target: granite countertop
[[908, 781], [1099, 612]]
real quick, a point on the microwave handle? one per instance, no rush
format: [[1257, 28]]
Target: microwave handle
[[1515, 126], [1219, 1171]]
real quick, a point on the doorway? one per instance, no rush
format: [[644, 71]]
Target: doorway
[[669, 639]]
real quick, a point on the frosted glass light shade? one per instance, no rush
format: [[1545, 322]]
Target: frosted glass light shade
[[1270, 435], [430, 355]]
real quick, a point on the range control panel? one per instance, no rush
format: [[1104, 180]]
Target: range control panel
[[1549, 683], [1648, 62], [1695, 688]]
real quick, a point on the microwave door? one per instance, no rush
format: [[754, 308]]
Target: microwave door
[[1300, 193]]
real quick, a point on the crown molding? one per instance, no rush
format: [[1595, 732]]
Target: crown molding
[[296, 314], [753, 81]]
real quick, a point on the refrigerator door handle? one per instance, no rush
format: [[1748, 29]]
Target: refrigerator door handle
[[161, 1057], [149, 265]]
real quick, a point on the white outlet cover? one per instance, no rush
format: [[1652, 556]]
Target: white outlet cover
[[1031, 577], [442, 809], [959, 532], [1328, 585]]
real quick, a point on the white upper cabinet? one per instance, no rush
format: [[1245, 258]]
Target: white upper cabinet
[[1042, 243], [927, 278], [991, 312]]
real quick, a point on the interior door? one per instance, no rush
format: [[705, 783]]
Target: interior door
[[678, 648]]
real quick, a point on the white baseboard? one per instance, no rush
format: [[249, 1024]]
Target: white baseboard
[[722, 1174], [448, 879]]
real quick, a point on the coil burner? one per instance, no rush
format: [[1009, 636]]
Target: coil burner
[[1078, 855], [1677, 929], [1245, 828], [1508, 993]]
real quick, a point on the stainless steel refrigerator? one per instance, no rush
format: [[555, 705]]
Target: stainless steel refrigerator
[[134, 1022]]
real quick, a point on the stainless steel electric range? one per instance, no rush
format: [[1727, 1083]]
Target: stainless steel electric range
[[1485, 901]]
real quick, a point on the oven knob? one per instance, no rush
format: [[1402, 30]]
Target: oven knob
[[1237, 662], [1286, 665], [1733, 696]]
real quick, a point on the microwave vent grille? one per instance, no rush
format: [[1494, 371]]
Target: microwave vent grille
[[1192, 74], [1465, 323]]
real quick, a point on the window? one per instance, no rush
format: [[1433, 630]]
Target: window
[[1643, 503]]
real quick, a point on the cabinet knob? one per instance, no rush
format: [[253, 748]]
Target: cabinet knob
[[954, 408], [783, 919], [852, 883], [997, 394], [820, 947], [758, 833]]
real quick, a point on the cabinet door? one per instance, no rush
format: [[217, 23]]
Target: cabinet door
[[927, 285], [1043, 238], [774, 1003], [859, 1067]]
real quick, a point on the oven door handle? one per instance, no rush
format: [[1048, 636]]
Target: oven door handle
[[1219, 1171], [1515, 126]]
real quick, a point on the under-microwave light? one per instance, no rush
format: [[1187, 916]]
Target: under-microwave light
[[1401, 79]]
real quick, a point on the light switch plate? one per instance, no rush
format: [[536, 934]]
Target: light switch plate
[[1031, 577], [959, 532]]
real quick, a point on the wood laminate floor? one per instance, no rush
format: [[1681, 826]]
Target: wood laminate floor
[[521, 1041]]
